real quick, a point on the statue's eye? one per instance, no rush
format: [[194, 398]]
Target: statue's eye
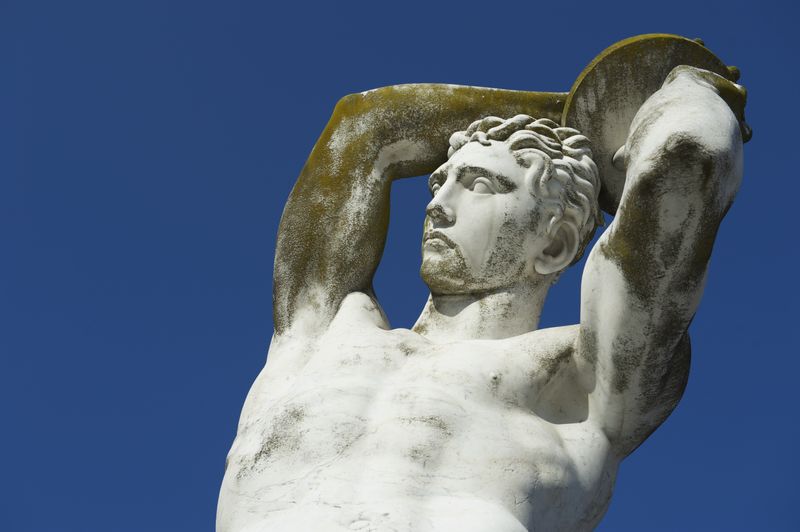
[[435, 188], [481, 185]]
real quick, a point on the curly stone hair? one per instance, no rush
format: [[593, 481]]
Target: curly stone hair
[[568, 187]]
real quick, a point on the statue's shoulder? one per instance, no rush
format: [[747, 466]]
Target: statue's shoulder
[[357, 310], [554, 340], [552, 351]]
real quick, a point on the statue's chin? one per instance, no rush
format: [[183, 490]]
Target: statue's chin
[[447, 275]]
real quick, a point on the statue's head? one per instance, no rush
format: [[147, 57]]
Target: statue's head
[[516, 200]]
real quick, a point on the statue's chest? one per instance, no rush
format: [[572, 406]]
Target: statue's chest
[[352, 389], [299, 417], [406, 373], [357, 397], [430, 418]]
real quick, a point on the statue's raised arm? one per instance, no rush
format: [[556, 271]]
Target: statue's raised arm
[[644, 278], [333, 228]]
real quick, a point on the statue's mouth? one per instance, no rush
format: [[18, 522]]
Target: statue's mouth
[[438, 238]]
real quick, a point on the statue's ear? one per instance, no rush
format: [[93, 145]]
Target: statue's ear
[[561, 249], [620, 160]]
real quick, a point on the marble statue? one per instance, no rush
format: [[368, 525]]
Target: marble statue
[[476, 420]]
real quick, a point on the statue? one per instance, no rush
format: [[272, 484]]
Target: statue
[[475, 420]]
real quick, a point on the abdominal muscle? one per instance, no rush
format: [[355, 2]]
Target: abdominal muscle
[[434, 514]]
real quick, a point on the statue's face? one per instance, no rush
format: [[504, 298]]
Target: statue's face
[[481, 230]]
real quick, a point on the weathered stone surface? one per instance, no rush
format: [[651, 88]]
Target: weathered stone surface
[[475, 419]]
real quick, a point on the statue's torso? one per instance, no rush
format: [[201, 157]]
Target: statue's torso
[[384, 430]]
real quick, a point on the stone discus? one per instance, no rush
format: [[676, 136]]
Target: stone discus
[[609, 91]]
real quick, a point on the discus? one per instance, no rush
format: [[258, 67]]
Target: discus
[[609, 92]]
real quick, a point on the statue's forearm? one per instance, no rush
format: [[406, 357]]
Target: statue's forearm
[[417, 120]]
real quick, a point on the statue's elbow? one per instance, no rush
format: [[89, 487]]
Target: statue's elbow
[[709, 158], [349, 105], [362, 103], [360, 115]]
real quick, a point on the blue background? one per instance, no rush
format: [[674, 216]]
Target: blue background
[[146, 151]]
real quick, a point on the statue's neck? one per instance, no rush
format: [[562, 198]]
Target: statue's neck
[[489, 315]]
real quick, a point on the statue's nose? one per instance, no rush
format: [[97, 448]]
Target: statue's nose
[[440, 214]]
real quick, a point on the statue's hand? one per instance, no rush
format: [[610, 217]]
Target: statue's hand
[[733, 94]]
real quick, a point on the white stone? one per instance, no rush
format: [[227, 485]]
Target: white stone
[[476, 420]]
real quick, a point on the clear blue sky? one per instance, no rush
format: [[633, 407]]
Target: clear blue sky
[[146, 151]]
